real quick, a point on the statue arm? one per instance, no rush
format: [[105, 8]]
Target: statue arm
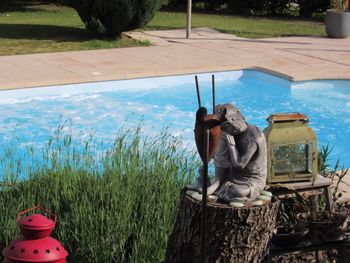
[[240, 161], [222, 164], [221, 157]]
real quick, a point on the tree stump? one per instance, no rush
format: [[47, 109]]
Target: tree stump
[[233, 235]]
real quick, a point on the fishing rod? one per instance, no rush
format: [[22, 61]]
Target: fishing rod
[[205, 141]]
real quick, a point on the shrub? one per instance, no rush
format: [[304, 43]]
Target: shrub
[[261, 7], [237, 6], [340, 5], [307, 7], [213, 4], [176, 3], [283, 7], [110, 18], [114, 206], [249, 7]]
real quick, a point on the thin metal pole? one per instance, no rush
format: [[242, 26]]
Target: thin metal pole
[[189, 18], [213, 91], [198, 94], [204, 195]]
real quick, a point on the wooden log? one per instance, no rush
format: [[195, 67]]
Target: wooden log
[[233, 235]]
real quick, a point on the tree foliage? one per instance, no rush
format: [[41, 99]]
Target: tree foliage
[[110, 18], [259, 7]]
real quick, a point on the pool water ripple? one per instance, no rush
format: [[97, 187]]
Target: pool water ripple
[[104, 107]]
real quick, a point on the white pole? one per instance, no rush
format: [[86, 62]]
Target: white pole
[[189, 18]]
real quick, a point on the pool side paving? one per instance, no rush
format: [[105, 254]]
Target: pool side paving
[[296, 58]]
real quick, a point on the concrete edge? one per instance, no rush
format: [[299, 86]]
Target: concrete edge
[[58, 82]]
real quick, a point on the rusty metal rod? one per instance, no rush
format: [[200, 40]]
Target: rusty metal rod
[[213, 91], [198, 94], [204, 194]]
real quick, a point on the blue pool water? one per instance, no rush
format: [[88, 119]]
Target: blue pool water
[[32, 115]]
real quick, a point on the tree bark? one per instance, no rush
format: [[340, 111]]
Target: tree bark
[[233, 235]]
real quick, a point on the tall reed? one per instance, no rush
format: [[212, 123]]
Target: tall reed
[[116, 205]]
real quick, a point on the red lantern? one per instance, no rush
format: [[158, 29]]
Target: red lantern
[[35, 243]]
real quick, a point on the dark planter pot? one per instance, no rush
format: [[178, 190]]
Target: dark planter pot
[[338, 24]]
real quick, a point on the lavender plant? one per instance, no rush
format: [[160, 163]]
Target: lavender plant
[[117, 205]]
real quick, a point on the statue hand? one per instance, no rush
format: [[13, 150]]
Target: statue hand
[[230, 140]]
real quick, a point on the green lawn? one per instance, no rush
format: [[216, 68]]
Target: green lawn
[[48, 28], [35, 28], [250, 27]]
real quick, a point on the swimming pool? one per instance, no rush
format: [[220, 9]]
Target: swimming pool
[[32, 115]]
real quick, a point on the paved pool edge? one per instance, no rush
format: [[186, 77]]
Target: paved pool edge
[[292, 58]]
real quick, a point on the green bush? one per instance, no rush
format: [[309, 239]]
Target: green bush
[[110, 18], [112, 206], [282, 7], [213, 5], [259, 7], [249, 7], [308, 7]]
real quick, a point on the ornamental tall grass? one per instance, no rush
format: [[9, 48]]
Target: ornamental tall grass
[[117, 205]]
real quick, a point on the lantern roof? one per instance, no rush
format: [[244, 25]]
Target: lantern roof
[[36, 222], [287, 117]]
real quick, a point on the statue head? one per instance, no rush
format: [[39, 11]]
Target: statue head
[[232, 121]]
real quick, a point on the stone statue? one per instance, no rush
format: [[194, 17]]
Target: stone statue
[[241, 158]]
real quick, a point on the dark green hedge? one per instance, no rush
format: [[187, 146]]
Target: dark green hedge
[[307, 7], [258, 7]]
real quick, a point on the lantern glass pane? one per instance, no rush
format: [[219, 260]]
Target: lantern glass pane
[[294, 158]]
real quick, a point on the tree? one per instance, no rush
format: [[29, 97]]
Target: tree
[[110, 18]]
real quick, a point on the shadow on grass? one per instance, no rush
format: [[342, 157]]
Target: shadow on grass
[[44, 32], [149, 27], [20, 6]]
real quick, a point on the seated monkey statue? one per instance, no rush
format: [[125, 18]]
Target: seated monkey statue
[[241, 158]]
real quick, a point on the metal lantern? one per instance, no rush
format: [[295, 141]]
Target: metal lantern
[[35, 243], [292, 148]]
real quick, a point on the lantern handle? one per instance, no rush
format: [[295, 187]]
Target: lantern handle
[[19, 216]]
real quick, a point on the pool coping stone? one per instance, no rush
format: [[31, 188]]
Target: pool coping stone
[[292, 58]]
